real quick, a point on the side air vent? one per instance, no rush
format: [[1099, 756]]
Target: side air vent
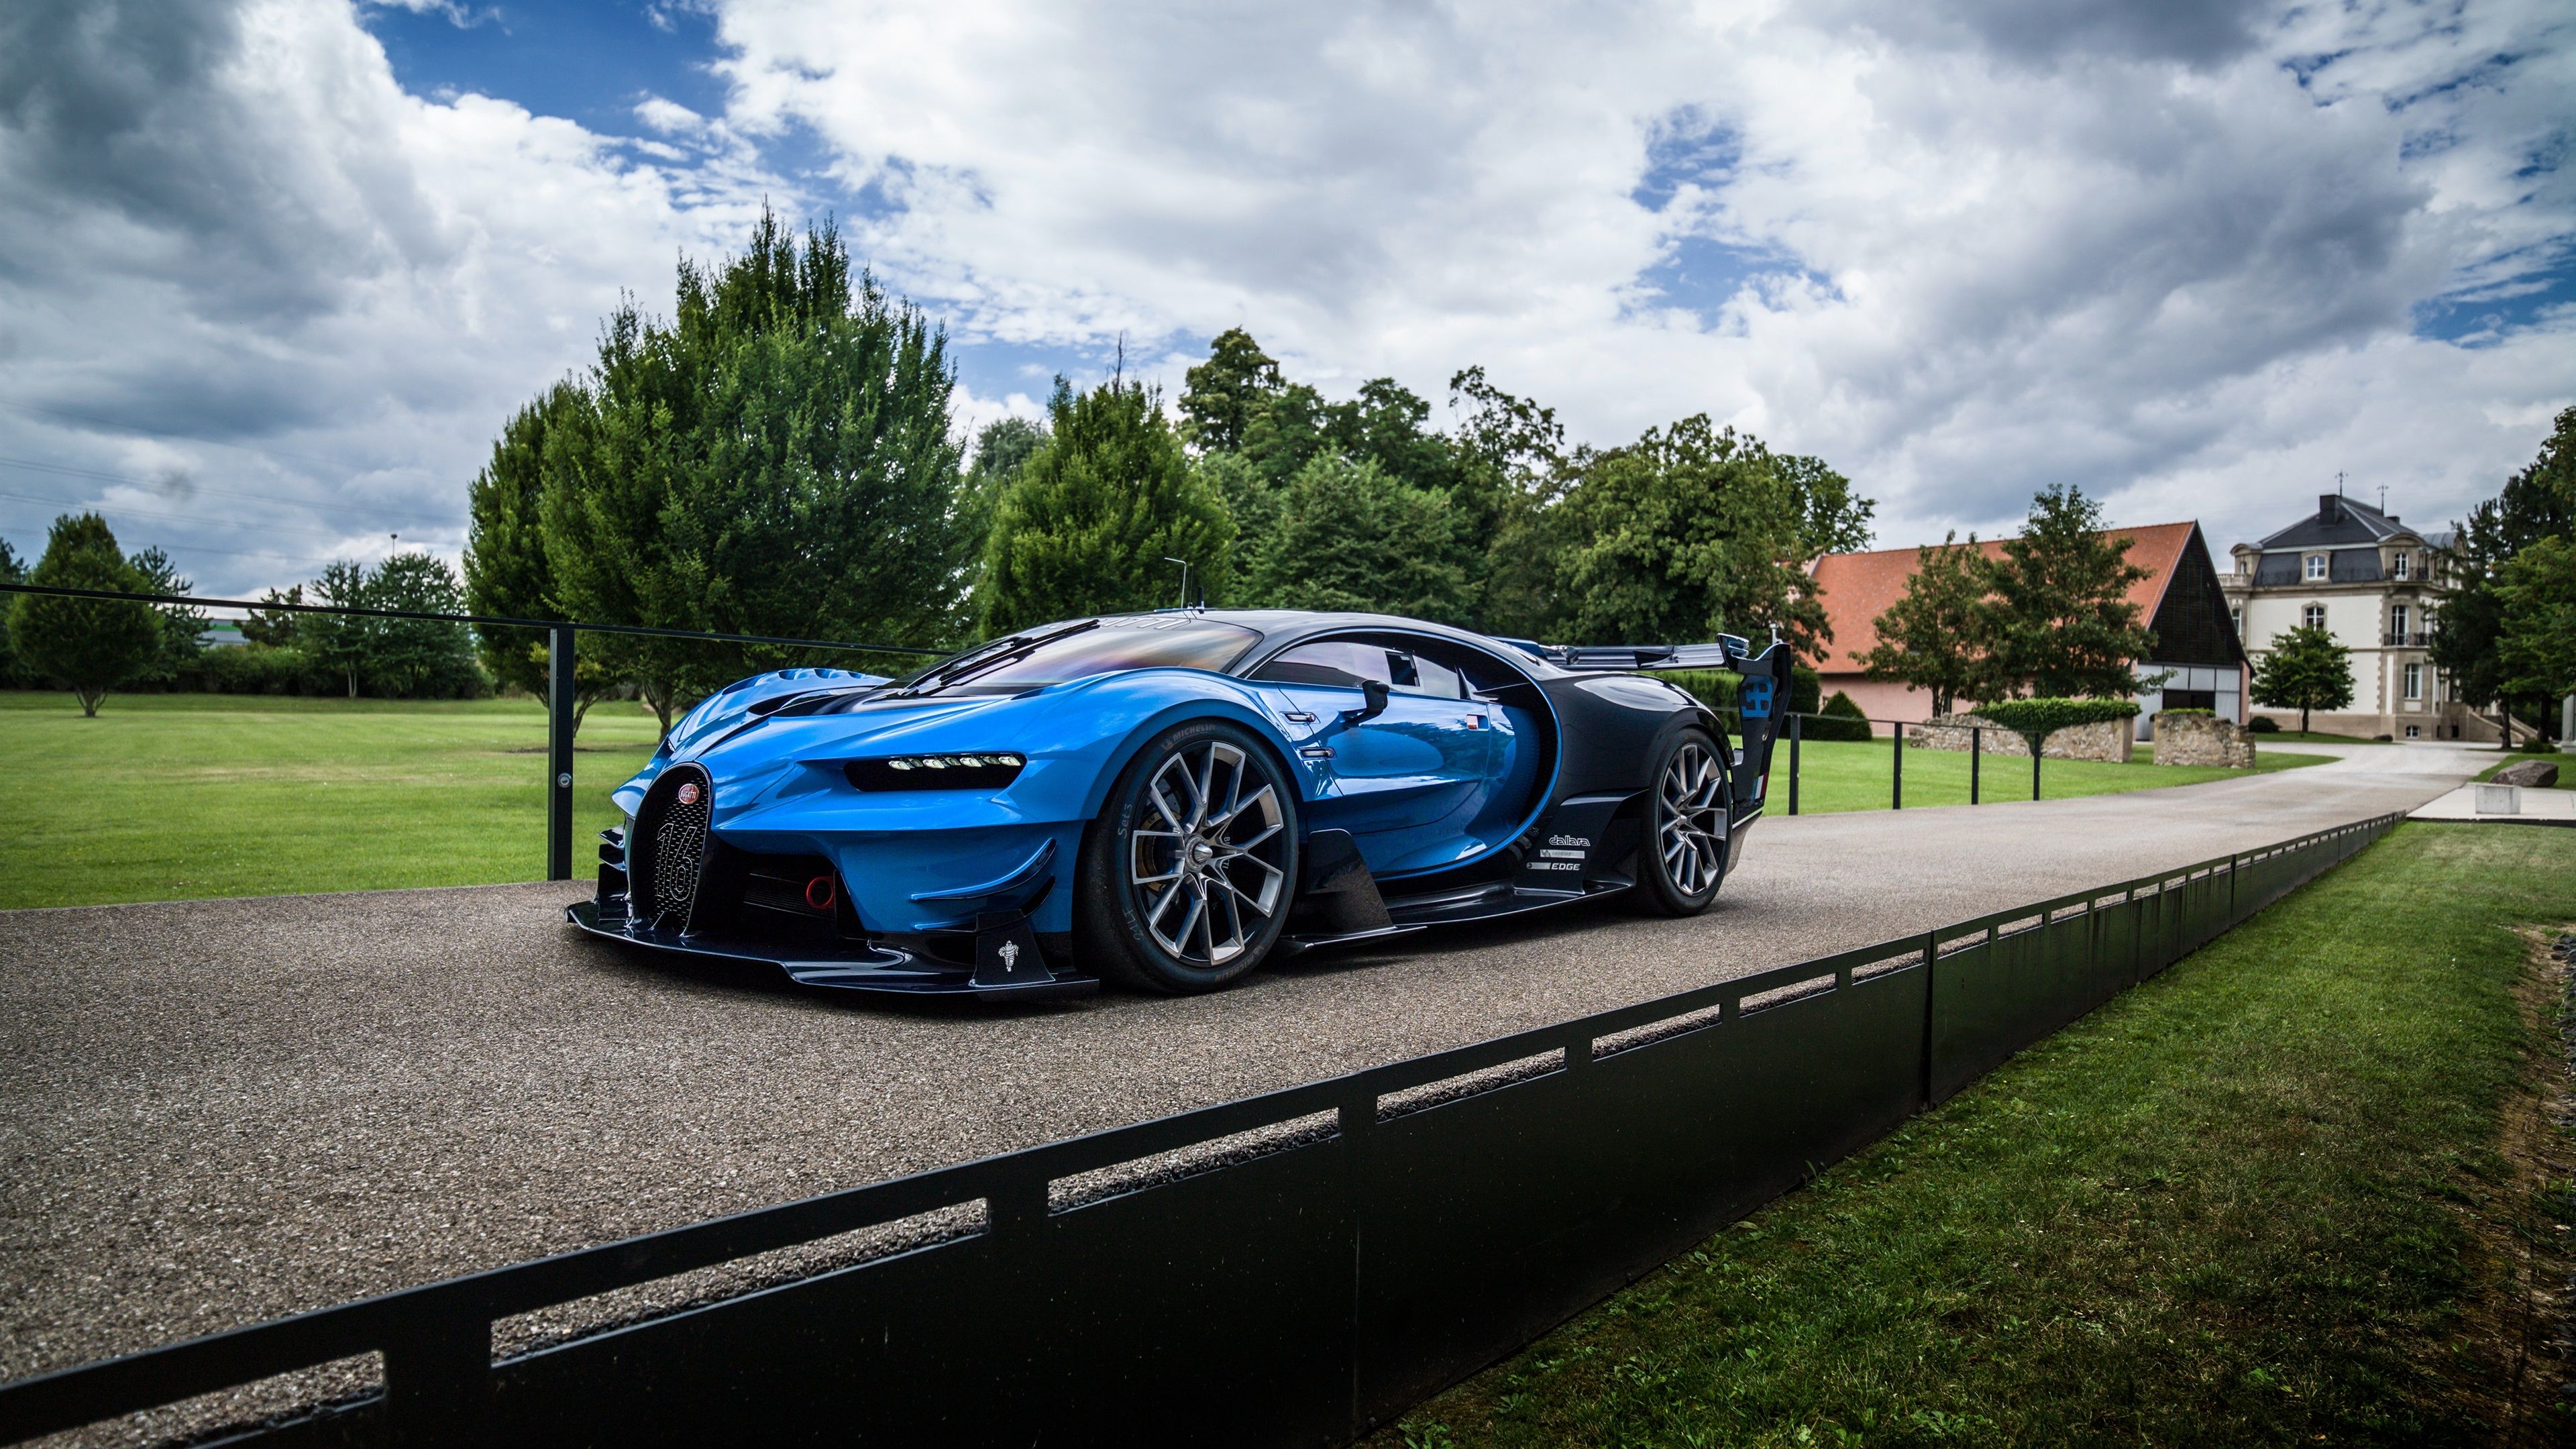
[[668, 851]]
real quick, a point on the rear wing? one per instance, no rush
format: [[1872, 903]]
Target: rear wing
[[1762, 698]]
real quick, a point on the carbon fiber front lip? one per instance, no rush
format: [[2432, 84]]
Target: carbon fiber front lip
[[870, 967]]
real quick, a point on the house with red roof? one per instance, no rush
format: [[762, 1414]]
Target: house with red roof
[[2197, 652]]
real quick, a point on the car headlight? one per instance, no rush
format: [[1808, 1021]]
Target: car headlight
[[975, 770]]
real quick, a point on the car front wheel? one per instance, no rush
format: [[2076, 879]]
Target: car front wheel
[[1187, 876]]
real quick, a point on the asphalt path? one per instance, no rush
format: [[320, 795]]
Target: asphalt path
[[217, 1112]]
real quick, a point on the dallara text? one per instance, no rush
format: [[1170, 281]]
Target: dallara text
[[1165, 800]]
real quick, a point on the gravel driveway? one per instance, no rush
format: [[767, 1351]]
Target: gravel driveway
[[217, 1112]]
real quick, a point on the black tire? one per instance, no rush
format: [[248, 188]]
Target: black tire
[[1182, 895], [1681, 860]]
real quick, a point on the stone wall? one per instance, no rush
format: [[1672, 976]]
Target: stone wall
[[2201, 739], [2106, 740]]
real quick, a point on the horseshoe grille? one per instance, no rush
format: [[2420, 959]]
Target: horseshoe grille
[[676, 834]]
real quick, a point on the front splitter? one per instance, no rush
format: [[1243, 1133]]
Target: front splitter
[[871, 967]]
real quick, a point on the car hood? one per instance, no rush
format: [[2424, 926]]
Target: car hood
[[729, 707]]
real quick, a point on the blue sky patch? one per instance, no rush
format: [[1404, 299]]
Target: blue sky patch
[[589, 63]]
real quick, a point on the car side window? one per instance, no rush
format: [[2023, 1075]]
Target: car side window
[[1347, 663]]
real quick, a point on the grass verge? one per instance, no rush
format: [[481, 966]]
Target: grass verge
[[2566, 768], [2259, 1200], [175, 796], [1840, 775]]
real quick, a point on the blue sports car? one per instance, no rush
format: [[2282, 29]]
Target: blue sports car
[[1165, 800]]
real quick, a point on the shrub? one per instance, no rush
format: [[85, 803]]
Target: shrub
[[1806, 690], [1710, 687], [1840, 719], [2037, 719], [256, 669], [2537, 746], [2263, 724], [2203, 713]]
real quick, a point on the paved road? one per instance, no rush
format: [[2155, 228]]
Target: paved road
[[216, 1112]]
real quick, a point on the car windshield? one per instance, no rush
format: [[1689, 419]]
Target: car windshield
[[1139, 641]]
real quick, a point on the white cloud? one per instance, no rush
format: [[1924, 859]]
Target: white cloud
[[1961, 249], [2159, 250], [229, 223]]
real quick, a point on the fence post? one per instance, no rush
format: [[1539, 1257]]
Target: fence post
[[1976, 755], [2035, 746], [1931, 960], [1793, 762], [559, 691], [1896, 782]]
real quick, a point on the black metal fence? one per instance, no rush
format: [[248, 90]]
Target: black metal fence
[[1294, 1296], [563, 639]]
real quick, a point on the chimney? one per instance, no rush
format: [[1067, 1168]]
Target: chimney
[[2329, 507]]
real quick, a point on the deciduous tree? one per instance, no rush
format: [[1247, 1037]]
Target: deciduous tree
[[2063, 625], [2538, 591], [1936, 637], [2305, 670], [89, 646], [1687, 532], [1350, 537]]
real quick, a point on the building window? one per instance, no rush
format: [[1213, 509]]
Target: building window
[[2313, 616], [2397, 627], [2236, 619], [2414, 681], [2414, 732], [2402, 566], [2316, 567]]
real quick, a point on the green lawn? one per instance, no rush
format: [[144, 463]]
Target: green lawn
[[2259, 1200], [1850, 775], [170, 796]]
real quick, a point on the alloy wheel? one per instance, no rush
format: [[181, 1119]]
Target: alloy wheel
[[1208, 855], [1692, 837]]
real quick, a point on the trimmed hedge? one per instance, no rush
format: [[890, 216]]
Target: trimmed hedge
[[2263, 724], [2203, 713], [2037, 719]]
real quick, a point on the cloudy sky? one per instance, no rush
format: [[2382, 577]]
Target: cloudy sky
[[272, 272]]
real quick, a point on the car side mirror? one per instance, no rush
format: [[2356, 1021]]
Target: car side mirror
[[1374, 691]]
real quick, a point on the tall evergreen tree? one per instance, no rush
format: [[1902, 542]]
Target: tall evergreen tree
[[1002, 448], [89, 646], [506, 569], [2537, 654], [2536, 503], [777, 460], [1087, 525], [2064, 627], [183, 628]]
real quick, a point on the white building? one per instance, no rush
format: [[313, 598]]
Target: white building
[[2377, 586]]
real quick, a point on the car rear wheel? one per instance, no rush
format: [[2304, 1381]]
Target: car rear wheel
[[1683, 857], [1187, 876]]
